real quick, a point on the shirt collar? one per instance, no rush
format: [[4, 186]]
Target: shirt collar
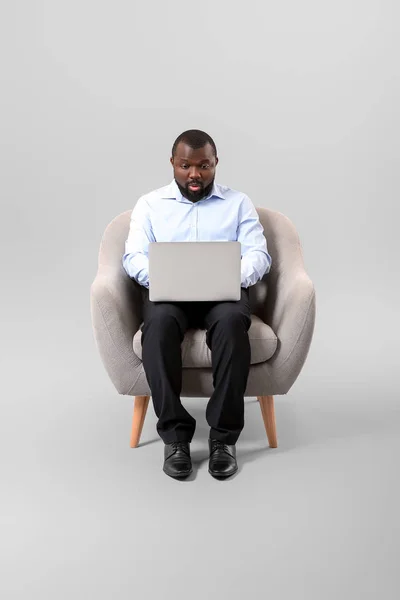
[[172, 191]]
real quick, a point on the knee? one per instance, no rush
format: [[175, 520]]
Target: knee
[[165, 323], [234, 320]]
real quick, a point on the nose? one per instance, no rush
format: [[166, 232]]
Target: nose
[[194, 173]]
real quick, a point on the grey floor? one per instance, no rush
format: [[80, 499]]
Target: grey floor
[[85, 516]]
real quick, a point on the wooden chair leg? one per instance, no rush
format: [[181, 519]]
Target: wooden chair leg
[[139, 414], [268, 414]]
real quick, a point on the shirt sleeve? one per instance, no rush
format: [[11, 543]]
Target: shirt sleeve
[[135, 259], [256, 261]]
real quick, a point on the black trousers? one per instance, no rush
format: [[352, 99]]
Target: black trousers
[[163, 330]]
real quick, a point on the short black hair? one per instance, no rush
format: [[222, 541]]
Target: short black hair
[[195, 138]]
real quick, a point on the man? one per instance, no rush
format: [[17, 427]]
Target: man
[[194, 208]]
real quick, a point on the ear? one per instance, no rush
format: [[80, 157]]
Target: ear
[[171, 160]]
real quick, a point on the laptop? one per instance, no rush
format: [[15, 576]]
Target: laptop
[[194, 271]]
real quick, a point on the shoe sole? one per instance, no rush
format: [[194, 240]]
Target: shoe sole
[[179, 475], [222, 475]]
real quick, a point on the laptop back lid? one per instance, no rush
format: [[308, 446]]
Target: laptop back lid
[[194, 271]]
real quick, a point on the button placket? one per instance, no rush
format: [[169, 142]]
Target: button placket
[[193, 232]]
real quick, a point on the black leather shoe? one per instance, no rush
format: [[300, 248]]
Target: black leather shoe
[[222, 461], [177, 461]]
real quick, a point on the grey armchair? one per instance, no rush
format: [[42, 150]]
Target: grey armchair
[[283, 317]]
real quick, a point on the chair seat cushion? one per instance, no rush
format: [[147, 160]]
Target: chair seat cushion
[[196, 353]]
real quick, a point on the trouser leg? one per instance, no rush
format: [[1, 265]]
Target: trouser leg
[[163, 330], [227, 337]]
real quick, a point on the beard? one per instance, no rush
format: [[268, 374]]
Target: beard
[[198, 194]]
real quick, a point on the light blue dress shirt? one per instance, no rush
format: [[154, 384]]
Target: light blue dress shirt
[[164, 215]]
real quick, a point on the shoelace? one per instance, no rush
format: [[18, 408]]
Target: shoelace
[[180, 446], [218, 445]]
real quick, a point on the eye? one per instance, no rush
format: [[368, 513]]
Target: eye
[[205, 166]]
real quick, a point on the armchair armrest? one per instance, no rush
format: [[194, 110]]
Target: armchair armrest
[[292, 317], [116, 310], [290, 304]]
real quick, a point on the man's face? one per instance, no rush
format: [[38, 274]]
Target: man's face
[[194, 166]]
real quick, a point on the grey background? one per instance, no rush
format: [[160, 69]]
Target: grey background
[[302, 100]]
